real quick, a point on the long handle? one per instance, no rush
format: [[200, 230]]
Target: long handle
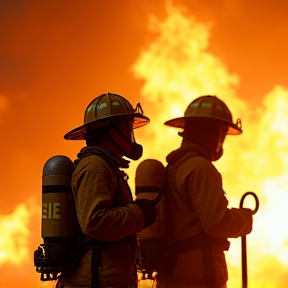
[[243, 240]]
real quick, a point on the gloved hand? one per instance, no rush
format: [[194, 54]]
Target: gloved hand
[[244, 216], [149, 210], [249, 218]]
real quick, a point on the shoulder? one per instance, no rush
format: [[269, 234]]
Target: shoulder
[[195, 165], [95, 164], [192, 160]]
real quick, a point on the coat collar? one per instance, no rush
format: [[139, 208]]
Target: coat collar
[[187, 147], [92, 150]]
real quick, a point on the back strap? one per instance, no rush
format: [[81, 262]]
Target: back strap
[[95, 265], [201, 241]]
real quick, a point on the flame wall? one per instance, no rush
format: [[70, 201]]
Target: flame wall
[[57, 56]]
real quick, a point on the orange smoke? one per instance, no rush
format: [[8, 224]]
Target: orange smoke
[[3, 103], [176, 67]]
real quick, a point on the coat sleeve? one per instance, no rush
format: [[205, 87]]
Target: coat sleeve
[[210, 204], [94, 188]]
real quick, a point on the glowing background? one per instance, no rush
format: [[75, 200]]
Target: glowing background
[[56, 56]]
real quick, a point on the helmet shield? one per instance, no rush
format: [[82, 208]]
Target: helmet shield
[[122, 135], [208, 108], [105, 108]]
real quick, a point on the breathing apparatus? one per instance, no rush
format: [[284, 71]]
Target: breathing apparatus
[[60, 252], [154, 247], [58, 229], [123, 136]]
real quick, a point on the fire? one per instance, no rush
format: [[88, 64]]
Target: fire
[[177, 67], [19, 237], [15, 236]]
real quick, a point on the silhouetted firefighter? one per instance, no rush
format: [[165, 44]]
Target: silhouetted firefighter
[[186, 244], [99, 249]]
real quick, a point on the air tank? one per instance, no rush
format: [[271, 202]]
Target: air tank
[[58, 208], [149, 180], [58, 220]]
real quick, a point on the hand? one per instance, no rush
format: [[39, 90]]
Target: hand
[[149, 210], [249, 219]]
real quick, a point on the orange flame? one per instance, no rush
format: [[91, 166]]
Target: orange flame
[[177, 67], [18, 240], [14, 241]]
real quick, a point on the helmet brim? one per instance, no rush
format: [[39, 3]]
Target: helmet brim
[[79, 133], [181, 121]]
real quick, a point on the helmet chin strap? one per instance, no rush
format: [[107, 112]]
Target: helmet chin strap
[[131, 150]]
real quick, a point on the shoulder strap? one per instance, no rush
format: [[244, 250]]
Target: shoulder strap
[[200, 240]]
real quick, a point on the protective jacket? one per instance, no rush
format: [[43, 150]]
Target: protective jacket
[[197, 206], [107, 217]]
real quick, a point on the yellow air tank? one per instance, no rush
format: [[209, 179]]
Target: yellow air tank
[[58, 223], [58, 209], [154, 247], [149, 180]]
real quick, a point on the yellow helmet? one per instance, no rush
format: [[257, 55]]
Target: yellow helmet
[[102, 110], [208, 108]]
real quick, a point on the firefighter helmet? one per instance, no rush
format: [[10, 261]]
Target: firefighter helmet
[[208, 108], [102, 110]]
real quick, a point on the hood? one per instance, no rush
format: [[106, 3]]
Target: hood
[[186, 148], [97, 150]]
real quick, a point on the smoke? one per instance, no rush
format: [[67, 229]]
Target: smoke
[[177, 67], [3, 103], [56, 56], [3, 108]]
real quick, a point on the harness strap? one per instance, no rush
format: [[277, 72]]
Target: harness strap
[[200, 241], [207, 243], [86, 243], [96, 246], [95, 265]]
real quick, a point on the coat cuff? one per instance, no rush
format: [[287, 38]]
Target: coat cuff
[[138, 217]]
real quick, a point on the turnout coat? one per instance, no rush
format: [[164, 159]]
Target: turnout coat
[[107, 216], [197, 205]]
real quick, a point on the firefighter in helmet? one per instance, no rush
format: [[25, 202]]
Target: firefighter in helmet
[[108, 218], [200, 221]]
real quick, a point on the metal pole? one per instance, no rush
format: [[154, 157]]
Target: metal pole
[[243, 240], [244, 262]]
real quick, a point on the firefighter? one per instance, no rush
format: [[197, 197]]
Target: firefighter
[[108, 218], [199, 220]]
